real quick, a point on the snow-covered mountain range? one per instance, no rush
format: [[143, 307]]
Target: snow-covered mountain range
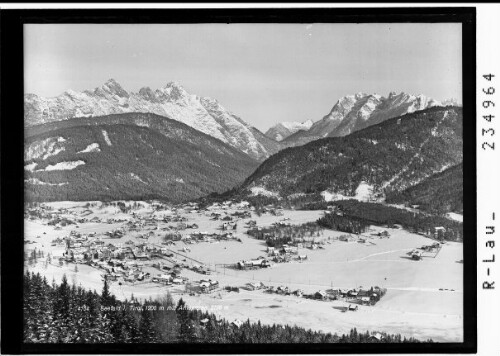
[[201, 113], [351, 113], [282, 130], [355, 112]]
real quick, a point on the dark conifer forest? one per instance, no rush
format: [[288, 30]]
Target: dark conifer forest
[[438, 194]]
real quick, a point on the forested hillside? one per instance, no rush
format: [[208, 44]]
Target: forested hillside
[[128, 156], [440, 193], [387, 157], [357, 216]]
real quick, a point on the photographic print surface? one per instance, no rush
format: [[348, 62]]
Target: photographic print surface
[[243, 183]]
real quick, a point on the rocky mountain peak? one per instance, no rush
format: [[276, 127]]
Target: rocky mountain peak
[[175, 87], [360, 110], [147, 93], [173, 92], [210, 103], [173, 84], [360, 95], [113, 87], [70, 93]]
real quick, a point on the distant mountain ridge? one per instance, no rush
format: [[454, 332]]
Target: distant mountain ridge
[[133, 156], [282, 130], [368, 164], [173, 101], [352, 113]]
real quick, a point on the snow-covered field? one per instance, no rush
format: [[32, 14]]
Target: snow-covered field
[[424, 298]]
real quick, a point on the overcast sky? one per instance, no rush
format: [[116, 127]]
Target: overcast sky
[[264, 73]]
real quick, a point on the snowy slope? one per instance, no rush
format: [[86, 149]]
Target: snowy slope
[[172, 100]]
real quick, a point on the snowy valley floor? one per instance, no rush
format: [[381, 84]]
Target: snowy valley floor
[[424, 298]]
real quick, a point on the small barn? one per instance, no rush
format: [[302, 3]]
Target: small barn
[[321, 295]]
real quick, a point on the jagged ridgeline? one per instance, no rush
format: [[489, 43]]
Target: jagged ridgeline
[[355, 112], [128, 156], [172, 100], [384, 158]]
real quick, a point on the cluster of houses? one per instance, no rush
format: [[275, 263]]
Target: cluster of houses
[[82, 249], [118, 261], [63, 217], [253, 264], [417, 254], [255, 286], [208, 286], [282, 254], [205, 237], [284, 291], [129, 271], [245, 214], [116, 233], [202, 286], [356, 296], [287, 253], [38, 213], [55, 217], [201, 269], [169, 279], [170, 274], [124, 260], [230, 205]]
